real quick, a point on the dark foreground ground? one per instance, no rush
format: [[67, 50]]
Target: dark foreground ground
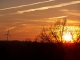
[[15, 50]]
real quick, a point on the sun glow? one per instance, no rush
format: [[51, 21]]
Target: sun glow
[[67, 37]]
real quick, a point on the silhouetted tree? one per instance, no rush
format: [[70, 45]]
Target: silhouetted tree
[[44, 35], [53, 33]]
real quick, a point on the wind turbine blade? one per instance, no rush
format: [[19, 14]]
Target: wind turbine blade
[[10, 36], [8, 31]]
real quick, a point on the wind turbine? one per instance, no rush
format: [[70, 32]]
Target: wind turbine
[[8, 35]]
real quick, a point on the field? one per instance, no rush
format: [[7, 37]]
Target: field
[[16, 50]]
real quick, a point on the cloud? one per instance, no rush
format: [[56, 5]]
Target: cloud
[[57, 17], [14, 27], [17, 22], [67, 10], [64, 10], [73, 22], [45, 8], [27, 5], [48, 7], [10, 28], [71, 12]]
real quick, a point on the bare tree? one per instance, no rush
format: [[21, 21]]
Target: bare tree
[[44, 36], [53, 33]]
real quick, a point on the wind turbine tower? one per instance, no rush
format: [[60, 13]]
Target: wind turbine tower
[[8, 35]]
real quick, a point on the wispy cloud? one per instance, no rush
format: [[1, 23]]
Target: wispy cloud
[[17, 22], [71, 12], [27, 5], [48, 7], [64, 10], [14, 27], [45, 8], [71, 21], [10, 28], [67, 10], [57, 17]]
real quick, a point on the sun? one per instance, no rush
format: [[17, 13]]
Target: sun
[[67, 37]]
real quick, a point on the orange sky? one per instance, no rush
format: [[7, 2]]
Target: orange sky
[[26, 18]]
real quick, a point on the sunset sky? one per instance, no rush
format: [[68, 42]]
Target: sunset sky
[[25, 18]]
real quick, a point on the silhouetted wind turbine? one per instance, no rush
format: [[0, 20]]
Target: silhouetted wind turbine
[[8, 35]]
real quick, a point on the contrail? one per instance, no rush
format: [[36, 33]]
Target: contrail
[[57, 17], [45, 8], [27, 5], [48, 7]]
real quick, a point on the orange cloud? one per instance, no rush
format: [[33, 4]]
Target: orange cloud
[[27, 5], [48, 7], [71, 12], [57, 17], [10, 28]]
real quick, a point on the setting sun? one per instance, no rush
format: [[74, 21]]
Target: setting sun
[[67, 37]]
